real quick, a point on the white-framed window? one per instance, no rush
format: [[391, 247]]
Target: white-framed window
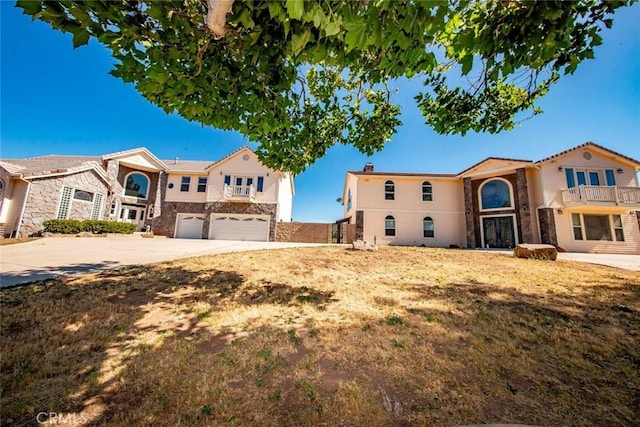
[[83, 196], [65, 203], [113, 209], [202, 184], [495, 194], [389, 190], [597, 227], [97, 206], [389, 226], [150, 212], [427, 192], [428, 228], [136, 185], [185, 183]]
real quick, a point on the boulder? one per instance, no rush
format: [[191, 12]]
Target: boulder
[[528, 250], [362, 245]]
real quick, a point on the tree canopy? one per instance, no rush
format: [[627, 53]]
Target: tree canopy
[[299, 76]]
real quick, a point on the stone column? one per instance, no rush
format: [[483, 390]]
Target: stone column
[[359, 225], [547, 227], [469, 211], [522, 194]]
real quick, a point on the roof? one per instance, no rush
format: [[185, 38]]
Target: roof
[[139, 150], [228, 156], [188, 165], [52, 165], [503, 159], [404, 174], [594, 145]]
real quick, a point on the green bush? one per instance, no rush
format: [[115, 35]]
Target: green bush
[[73, 226]]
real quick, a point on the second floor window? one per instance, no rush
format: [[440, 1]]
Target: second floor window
[[427, 192], [596, 177], [389, 190], [136, 185], [185, 183], [202, 185]]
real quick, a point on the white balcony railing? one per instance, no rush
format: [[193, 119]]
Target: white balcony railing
[[593, 194], [239, 192]]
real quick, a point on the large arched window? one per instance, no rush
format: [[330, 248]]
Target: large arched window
[[427, 192], [428, 228], [389, 226], [389, 190], [495, 194], [136, 185]]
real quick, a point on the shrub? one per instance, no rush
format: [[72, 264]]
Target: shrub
[[73, 226]]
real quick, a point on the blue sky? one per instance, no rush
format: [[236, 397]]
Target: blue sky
[[57, 100]]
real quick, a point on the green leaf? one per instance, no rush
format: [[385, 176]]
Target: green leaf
[[29, 7], [80, 38], [295, 8], [467, 64], [333, 27], [299, 41], [357, 36]]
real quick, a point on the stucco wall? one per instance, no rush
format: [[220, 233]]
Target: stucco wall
[[15, 195], [176, 195]]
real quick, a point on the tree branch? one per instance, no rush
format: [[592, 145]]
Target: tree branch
[[217, 16]]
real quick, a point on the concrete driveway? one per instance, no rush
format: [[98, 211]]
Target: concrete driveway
[[60, 256]]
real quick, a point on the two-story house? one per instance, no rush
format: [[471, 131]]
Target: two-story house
[[233, 198], [585, 199]]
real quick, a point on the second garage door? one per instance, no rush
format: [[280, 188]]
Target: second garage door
[[240, 227], [189, 226]]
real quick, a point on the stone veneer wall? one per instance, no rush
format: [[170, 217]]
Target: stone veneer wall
[[165, 223], [547, 227], [524, 211], [359, 225], [305, 232], [44, 197], [470, 214]]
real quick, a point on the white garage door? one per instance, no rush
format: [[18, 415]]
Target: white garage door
[[189, 226], [239, 227]]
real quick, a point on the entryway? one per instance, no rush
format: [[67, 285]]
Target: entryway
[[498, 232], [133, 214]]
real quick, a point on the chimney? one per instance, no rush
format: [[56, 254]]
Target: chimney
[[368, 167], [175, 161]]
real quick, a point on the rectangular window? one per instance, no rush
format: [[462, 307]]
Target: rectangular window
[[185, 183], [577, 226], [569, 175], [65, 202], [227, 179], [114, 208], [597, 227], [594, 178], [150, 212], [239, 181], [617, 228], [97, 207], [582, 178], [610, 177], [260, 184], [249, 182], [202, 185]]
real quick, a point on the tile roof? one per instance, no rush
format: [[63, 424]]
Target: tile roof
[[47, 165], [188, 165], [590, 144]]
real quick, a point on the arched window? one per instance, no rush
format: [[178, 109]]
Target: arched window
[[428, 228], [495, 194], [427, 192], [136, 185], [389, 190], [389, 226]]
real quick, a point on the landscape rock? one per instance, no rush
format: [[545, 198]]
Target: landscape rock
[[363, 245], [536, 251]]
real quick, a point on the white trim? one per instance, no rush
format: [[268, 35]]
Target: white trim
[[24, 206], [583, 227], [124, 186], [514, 222], [433, 221], [485, 182]]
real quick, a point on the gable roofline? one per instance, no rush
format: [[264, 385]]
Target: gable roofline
[[502, 159], [119, 154], [228, 156], [403, 174], [61, 172], [599, 147]]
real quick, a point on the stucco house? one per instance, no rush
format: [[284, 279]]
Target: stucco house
[[234, 198], [584, 199]]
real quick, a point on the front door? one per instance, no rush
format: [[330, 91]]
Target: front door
[[498, 232], [133, 215]]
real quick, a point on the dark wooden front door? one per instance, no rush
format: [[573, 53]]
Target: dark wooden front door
[[498, 232]]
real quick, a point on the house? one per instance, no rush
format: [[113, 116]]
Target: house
[[233, 198], [585, 199]]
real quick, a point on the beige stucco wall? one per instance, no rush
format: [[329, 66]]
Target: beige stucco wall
[[14, 197], [631, 245], [446, 209], [553, 180], [175, 195], [285, 199], [352, 184]]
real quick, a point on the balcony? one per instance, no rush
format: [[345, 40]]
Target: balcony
[[240, 193], [601, 196]]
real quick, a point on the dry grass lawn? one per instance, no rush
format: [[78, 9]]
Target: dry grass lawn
[[327, 336], [13, 241]]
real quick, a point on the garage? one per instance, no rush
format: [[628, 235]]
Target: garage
[[189, 226], [240, 227]]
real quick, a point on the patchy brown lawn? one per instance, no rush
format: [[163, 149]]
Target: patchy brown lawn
[[13, 241], [327, 336]]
